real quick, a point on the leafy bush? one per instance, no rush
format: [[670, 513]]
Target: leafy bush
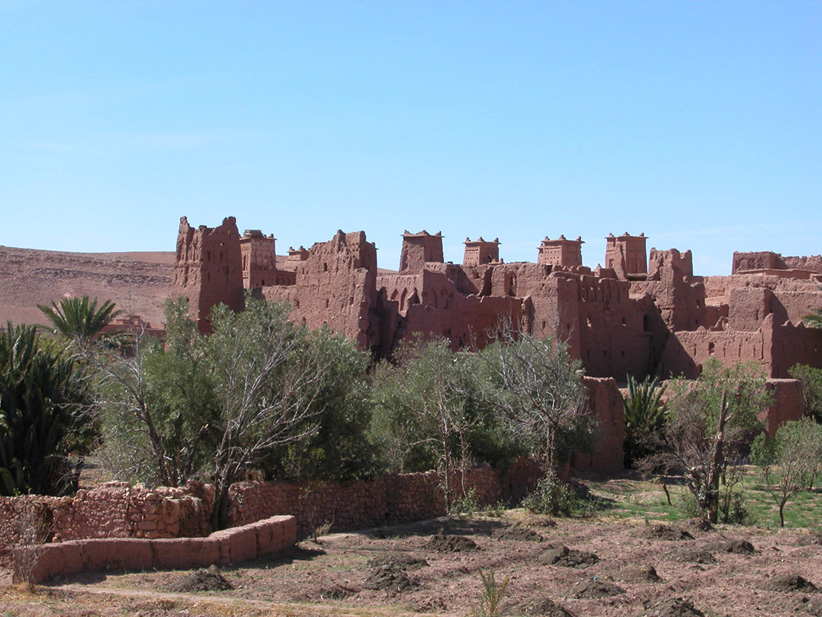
[[551, 496]]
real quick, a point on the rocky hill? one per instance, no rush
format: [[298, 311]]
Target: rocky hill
[[139, 283]]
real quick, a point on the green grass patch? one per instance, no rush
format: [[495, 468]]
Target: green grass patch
[[636, 499]]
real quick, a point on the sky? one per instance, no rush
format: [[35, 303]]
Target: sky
[[696, 123]]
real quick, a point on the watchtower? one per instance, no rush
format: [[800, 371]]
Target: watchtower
[[626, 255], [259, 258], [560, 252], [479, 251], [418, 248]]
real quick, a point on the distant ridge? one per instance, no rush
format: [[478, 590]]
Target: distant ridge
[[138, 282]]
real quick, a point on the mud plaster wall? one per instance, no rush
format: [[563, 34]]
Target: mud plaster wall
[[225, 547], [208, 268], [335, 286], [788, 403]]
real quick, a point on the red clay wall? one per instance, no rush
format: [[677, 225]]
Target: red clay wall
[[336, 287], [208, 268], [788, 403], [605, 401], [387, 499], [223, 547]]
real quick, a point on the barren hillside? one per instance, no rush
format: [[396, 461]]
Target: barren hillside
[[137, 282]]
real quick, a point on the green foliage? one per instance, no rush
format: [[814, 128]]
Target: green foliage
[[490, 602], [269, 380], [811, 380], [339, 449], [814, 319], [159, 404], [44, 415], [645, 418], [551, 496], [428, 412], [78, 319], [711, 421], [789, 460], [467, 504], [537, 389]]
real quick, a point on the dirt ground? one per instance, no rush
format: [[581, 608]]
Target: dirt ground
[[586, 568]]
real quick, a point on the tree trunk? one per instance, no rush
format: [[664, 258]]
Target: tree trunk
[[717, 462]]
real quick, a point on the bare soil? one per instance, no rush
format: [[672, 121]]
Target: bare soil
[[397, 571]]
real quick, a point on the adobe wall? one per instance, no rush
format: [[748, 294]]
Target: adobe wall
[[605, 401], [792, 344], [335, 286], [788, 403], [208, 269], [686, 352], [386, 499], [768, 260], [680, 299], [418, 249], [231, 546]]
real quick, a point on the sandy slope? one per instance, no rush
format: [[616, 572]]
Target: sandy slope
[[137, 282]]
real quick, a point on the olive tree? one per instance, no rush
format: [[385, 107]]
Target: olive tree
[[789, 460], [426, 409], [267, 378], [157, 403], [538, 390], [710, 419]]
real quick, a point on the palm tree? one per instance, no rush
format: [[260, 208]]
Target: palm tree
[[645, 416], [78, 319], [44, 415]]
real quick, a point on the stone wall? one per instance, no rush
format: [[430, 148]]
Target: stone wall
[[384, 500], [114, 510]]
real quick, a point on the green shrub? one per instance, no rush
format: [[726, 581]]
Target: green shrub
[[551, 496]]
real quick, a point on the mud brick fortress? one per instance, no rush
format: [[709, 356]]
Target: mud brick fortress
[[641, 314]]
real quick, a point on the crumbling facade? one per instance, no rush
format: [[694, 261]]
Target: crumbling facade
[[639, 315]]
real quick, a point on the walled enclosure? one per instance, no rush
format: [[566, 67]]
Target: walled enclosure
[[641, 315]]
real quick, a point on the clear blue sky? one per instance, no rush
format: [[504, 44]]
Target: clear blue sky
[[697, 123]]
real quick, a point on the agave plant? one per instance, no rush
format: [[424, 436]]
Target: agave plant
[[645, 416]]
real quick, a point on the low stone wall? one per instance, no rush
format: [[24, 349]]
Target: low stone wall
[[114, 510], [230, 546], [387, 499]]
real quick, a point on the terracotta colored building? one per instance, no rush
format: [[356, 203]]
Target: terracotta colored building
[[640, 315]]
